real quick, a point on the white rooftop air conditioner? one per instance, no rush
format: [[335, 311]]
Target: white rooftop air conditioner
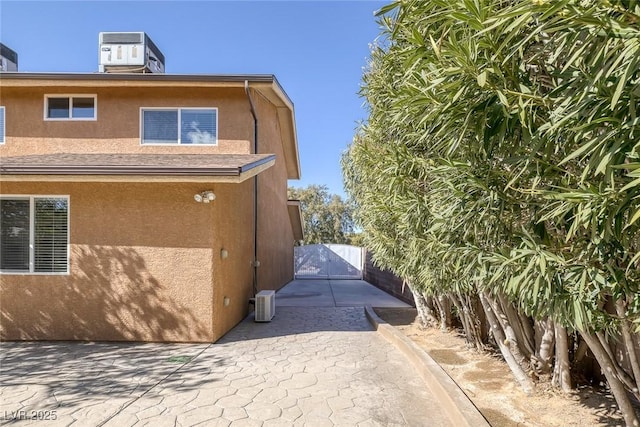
[[265, 306], [129, 53], [8, 59]]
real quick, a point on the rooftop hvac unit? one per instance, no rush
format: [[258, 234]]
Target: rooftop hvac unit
[[8, 59], [265, 306], [129, 53]]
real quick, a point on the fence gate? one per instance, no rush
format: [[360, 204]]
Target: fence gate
[[328, 262]]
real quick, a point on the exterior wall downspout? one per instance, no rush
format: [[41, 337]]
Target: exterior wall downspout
[[256, 263]]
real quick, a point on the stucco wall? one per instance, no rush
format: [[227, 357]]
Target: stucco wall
[[233, 275], [140, 267], [117, 128], [146, 261], [275, 235]]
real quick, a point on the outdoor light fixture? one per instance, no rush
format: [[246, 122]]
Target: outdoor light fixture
[[204, 197]]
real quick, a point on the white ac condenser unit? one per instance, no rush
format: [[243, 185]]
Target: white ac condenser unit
[[265, 306], [8, 59], [129, 53]]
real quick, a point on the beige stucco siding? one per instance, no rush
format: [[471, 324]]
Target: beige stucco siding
[[275, 235], [117, 128], [233, 275], [140, 268]]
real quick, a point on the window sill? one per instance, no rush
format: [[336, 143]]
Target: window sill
[[87, 119], [27, 273]]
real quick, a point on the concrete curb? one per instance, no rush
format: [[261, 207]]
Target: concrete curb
[[455, 403]]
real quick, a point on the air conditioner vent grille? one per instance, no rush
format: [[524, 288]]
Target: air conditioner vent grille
[[123, 38]]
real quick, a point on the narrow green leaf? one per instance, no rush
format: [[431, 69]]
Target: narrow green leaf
[[482, 78], [434, 45], [581, 150], [503, 99], [616, 95], [635, 217], [629, 186]]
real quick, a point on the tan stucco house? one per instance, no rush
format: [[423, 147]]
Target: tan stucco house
[[142, 207]]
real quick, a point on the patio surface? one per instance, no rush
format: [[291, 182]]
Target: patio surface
[[317, 363], [334, 293]]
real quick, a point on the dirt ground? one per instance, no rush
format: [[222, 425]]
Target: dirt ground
[[486, 379]]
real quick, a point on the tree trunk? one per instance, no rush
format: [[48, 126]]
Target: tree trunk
[[468, 320], [620, 373], [512, 340], [629, 345], [545, 337], [444, 307], [498, 334], [432, 311], [617, 388], [466, 326], [580, 359], [483, 323], [562, 370], [470, 303], [421, 305], [520, 326]]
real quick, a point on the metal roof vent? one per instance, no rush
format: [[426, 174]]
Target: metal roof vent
[[8, 59], [129, 53]]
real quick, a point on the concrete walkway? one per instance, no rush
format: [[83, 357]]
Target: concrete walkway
[[334, 293], [312, 366]]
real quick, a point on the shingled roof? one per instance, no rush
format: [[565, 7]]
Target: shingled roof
[[134, 167]]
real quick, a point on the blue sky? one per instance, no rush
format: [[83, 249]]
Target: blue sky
[[316, 49]]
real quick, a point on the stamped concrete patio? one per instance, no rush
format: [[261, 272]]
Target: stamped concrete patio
[[317, 363]]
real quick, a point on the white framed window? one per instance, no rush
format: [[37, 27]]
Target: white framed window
[[2, 125], [34, 234], [70, 107], [184, 126]]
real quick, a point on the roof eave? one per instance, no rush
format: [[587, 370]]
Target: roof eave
[[116, 173], [287, 123], [295, 216], [7, 78]]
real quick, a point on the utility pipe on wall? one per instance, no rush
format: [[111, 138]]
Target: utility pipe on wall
[[255, 191]]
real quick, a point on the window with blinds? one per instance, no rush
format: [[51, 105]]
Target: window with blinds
[[14, 236], [50, 225], [179, 126], [34, 234], [70, 107]]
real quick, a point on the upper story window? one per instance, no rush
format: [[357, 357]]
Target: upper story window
[[70, 107], [179, 126], [34, 234], [1, 125]]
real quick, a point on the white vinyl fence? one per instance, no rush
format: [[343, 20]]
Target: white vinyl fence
[[330, 261]]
